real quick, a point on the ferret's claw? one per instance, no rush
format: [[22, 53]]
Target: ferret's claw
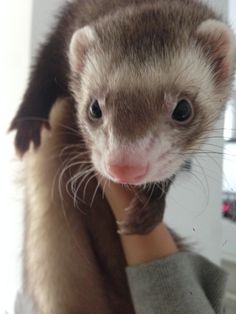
[[27, 131]]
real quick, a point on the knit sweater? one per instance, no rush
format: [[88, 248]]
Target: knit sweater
[[184, 283]]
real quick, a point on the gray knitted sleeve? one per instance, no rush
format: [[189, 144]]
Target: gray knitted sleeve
[[183, 283]]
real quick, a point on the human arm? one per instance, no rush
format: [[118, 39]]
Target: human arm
[[139, 248], [163, 279]]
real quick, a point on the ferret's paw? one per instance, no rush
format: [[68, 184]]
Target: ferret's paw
[[27, 131], [141, 218], [145, 211]]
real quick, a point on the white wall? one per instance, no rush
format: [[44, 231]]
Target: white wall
[[220, 6], [232, 13], [229, 166], [194, 204], [44, 12], [15, 22]]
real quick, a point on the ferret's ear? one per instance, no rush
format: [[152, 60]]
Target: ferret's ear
[[80, 43], [218, 42]]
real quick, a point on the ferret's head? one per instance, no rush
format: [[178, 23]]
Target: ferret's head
[[147, 93]]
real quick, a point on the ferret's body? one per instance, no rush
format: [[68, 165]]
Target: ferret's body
[[121, 69], [73, 261]]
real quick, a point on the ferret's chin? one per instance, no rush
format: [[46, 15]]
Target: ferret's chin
[[161, 175], [136, 182], [139, 182]]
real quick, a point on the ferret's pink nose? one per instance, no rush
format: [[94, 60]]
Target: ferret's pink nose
[[127, 173]]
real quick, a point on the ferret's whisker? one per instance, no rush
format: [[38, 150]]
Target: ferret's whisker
[[104, 187], [81, 172], [95, 192], [67, 166], [76, 197], [205, 178], [86, 185], [150, 196], [73, 146], [84, 175], [75, 131]]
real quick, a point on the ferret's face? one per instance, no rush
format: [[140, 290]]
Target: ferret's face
[[142, 120]]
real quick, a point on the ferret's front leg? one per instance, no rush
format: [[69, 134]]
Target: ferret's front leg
[[48, 82], [145, 211]]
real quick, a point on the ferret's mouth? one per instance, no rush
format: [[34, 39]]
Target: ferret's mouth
[[135, 181], [124, 174]]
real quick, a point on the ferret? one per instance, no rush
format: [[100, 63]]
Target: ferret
[[137, 85]]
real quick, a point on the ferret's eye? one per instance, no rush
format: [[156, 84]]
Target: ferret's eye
[[95, 111], [183, 111]]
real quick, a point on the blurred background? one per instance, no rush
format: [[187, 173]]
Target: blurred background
[[202, 203]]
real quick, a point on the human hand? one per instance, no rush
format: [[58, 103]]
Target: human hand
[[137, 248]]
